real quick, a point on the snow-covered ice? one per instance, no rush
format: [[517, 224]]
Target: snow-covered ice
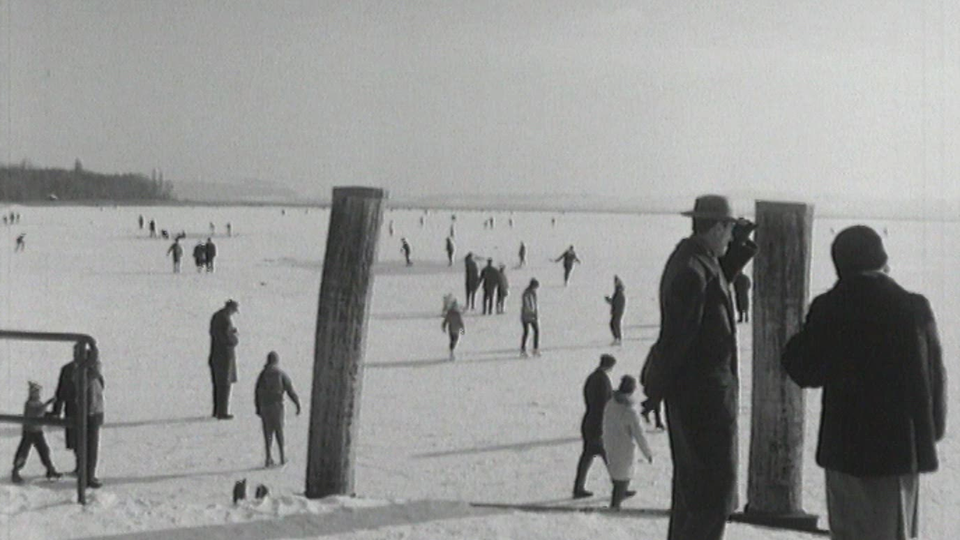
[[434, 435]]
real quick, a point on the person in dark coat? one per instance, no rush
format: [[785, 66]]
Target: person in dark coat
[[530, 317], [200, 256], [490, 278], [223, 358], [66, 400], [741, 290], [596, 391], [874, 349], [522, 254], [503, 289], [569, 258], [451, 249], [177, 251], [405, 248], [693, 368], [473, 281], [272, 384], [210, 255], [618, 305], [153, 228]]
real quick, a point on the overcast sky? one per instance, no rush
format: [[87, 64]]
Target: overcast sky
[[622, 98]]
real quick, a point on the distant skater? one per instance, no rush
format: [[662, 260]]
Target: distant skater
[[153, 229], [223, 358], [523, 254], [405, 248], [741, 289], [210, 253], [451, 249], [490, 278], [21, 243], [596, 392], [177, 251], [453, 231], [621, 429], [618, 304], [503, 289], [200, 256], [229, 229], [32, 436], [213, 229], [569, 258], [140, 221], [472, 281], [530, 317], [272, 384], [390, 227], [453, 325]]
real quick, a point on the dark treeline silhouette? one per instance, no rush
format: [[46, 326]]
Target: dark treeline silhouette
[[23, 183]]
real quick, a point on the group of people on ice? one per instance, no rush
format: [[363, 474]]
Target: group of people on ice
[[204, 254]]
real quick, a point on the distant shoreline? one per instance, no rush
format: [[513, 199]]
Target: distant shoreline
[[875, 214]]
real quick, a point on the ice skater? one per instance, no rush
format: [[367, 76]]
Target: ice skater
[[472, 280], [490, 278], [210, 253], [621, 429], [453, 325], [503, 289], [153, 229], [140, 221], [200, 256], [229, 229], [741, 290], [405, 248], [177, 251], [569, 258], [272, 384], [32, 436], [530, 317], [596, 392], [523, 255], [451, 249], [21, 243], [618, 304]]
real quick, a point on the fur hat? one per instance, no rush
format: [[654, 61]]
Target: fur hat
[[857, 249]]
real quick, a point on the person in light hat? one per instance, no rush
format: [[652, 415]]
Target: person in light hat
[[693, 368], [874, 349], [32, 436]]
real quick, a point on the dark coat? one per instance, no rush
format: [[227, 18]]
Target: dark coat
[[211, 251], [223, 343], [473, 273], [741, 289], [490, 278], [693, 367], [618, 304], [596, 392], [874, 349]]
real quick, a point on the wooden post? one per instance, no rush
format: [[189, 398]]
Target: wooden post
[[781, 280], [345, 292]]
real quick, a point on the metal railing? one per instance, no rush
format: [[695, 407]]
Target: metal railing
[[84, 354]]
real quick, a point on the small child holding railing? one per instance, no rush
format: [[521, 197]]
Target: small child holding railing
[[33, 436]]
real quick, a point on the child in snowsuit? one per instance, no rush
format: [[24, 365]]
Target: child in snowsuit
[[621, 436], [271, 385], [453, 325], [32, 435]]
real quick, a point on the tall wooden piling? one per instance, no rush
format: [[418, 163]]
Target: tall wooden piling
[[781, 280], [345, 292]]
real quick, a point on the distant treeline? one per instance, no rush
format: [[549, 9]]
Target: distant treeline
[[23, 183]]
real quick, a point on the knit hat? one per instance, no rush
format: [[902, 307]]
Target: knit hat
[[857, 249], [34, 387]]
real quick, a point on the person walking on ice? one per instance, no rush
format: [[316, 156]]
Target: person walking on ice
[[741, 290], [523, 255], [32, 436], [472, 281], [569, 258], [451, 249], [618, 304], [530, 317], [200, 256], [21, 243], [621, 429], [596, 392], [177, 251], [272, 384], [210, 253], [490, 279], [223, 358], [453, 325], [405, 248], [503, 289]]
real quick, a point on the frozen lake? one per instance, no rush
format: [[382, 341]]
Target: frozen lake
[[490, 427]]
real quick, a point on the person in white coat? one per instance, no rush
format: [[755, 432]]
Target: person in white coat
[[621, 429]]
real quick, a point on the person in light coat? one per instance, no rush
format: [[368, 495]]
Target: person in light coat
[[621, 429]]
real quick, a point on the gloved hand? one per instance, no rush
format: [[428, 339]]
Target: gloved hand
[[742, 230]]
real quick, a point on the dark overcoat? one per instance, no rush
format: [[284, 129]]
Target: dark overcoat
[[874, 349], [596, 392], [693, 368], [472, 273], [223, 343]]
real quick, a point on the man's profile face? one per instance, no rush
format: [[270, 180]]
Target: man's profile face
[[720, 236]]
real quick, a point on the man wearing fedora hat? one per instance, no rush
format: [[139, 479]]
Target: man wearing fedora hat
[[223, 358], [693, 368]]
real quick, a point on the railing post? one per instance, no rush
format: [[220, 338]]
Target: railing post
[[80, 355]]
